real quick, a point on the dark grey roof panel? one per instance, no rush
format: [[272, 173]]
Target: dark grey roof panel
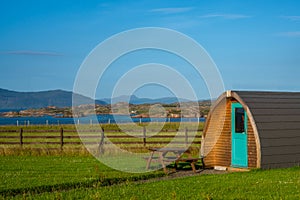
[[287, 158], [279, 165], [277, 119], [276, 142], [293, 149], [277, 111], [274, 100], [276, 95], [278, 126], [279, 134], [272, 105]]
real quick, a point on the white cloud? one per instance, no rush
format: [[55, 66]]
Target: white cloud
[[173, 10], [290, 34], [34, 53], [292, 17], [225, 16]]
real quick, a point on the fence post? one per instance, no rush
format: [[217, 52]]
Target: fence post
[[21, 137], [101, 143], [186, 136], [61, 138], [144, 136]]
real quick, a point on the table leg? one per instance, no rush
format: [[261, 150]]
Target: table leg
[[176, 164], [189, 154], [161, 159], [149, 160], [193, 166], [178, 155]]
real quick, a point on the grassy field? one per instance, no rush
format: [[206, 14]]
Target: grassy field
[[113, 127], [21, 174], [71, 174], [257, 184], [36, 168]]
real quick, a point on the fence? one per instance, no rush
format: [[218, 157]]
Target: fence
[[60, 138]]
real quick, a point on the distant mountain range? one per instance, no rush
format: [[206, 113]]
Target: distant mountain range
[[60, 98], [25, 100], [136, 100]]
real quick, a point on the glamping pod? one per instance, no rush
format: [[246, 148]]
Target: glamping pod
[[253, 130]]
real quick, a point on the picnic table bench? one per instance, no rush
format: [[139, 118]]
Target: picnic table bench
[[164, 159]]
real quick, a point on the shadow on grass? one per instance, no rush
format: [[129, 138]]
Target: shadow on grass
[[98, 182]]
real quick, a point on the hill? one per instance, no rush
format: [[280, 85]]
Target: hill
[[137, 100], [59, 102], [25, 100], [12, 100]]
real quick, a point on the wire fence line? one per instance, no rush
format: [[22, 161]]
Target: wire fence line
[[66, 137]]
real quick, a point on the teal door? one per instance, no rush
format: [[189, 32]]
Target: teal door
[[239, 155]]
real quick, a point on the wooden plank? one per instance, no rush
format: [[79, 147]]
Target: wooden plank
[[41, 142], [216, 140], [80, 142], [222, 152], [81, 136], [121, 131], [40, 136], [223, 155], [123, 136], [222, 163], [223, 145], [8, 136], [84, 131], [172, 136], [40, 131], [152, 142], [9, 131], [9, 143], [155, 136]]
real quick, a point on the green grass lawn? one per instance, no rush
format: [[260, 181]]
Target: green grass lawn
[[83, 177], [20, 174], [258, 184], [69, 174]]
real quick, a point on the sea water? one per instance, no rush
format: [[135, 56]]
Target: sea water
[[102, 119]]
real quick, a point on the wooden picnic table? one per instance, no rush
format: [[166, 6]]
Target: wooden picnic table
[[164, 157]]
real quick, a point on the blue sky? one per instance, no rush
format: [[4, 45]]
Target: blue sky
[[255, 44]]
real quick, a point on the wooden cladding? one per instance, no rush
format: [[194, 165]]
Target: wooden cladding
[[220, 154]]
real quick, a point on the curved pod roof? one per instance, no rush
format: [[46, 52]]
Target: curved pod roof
[[275, 119]]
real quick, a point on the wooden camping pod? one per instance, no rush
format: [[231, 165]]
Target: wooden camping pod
[[273, 130]]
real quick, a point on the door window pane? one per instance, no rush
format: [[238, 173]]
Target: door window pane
[[239, 120]]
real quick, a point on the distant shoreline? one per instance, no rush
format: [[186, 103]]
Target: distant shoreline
[[99, 119]]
